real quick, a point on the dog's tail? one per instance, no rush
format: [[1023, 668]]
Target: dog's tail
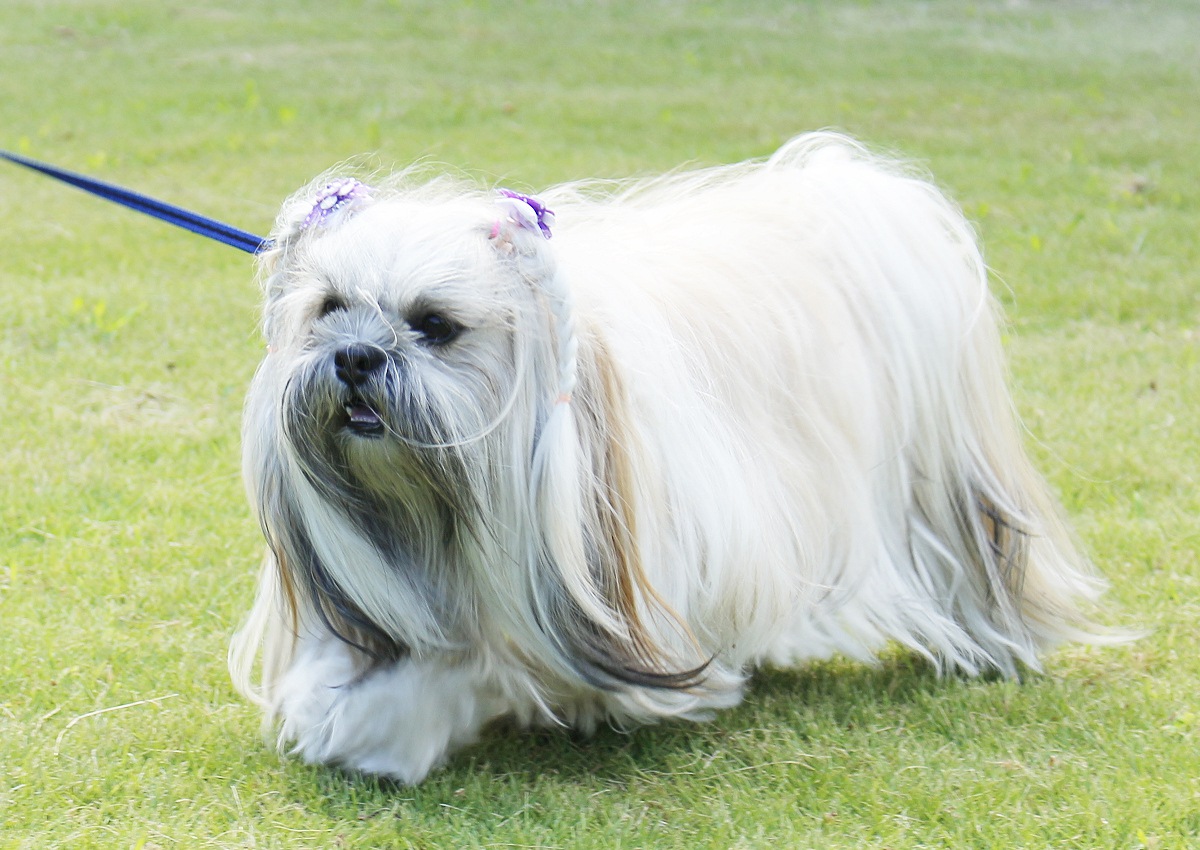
[[983, 518]]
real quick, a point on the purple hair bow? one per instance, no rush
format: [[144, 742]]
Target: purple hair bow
[[334, 196], [528, 212]]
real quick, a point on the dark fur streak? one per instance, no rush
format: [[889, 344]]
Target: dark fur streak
[[1008, 543], [338, 614], [608, 664]]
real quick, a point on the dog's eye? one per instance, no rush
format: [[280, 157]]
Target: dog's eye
[[331, 304], [435, 329]]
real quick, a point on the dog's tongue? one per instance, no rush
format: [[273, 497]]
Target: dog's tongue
[[362, 416]]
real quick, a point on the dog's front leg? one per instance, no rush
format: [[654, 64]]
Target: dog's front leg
[[400, 719]]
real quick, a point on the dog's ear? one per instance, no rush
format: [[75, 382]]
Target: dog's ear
[[610, 620]]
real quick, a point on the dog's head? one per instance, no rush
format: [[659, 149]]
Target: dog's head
[[434, 449], [402, 335]]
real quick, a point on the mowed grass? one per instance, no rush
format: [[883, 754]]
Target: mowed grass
[[1068, 132]]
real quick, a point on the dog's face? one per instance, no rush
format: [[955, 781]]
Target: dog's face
[[395, 347]]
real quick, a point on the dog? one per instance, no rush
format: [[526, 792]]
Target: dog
[[594, 456]]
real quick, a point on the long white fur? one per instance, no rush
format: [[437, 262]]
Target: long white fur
[[810, 401]]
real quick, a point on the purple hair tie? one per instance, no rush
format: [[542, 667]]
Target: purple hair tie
[[334, 196], [528, 212]]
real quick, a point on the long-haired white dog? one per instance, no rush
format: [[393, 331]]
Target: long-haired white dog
[[740, 416]]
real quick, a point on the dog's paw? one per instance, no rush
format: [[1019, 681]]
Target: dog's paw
[[400, 721]]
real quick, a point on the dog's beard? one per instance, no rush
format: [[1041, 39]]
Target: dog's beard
[[379, 441], [382, 469]]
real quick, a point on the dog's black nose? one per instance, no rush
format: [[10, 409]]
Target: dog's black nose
[[355, 364]]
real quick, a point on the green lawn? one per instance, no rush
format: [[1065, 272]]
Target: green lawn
[[1070, 133]]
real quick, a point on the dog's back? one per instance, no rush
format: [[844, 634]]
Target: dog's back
[[831, 409]]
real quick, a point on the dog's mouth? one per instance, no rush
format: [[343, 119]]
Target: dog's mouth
[[362, 420]]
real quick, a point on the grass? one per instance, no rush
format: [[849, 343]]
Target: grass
[[127, 554]]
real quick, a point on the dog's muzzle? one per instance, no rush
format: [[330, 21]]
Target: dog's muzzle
[[356, 366]]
